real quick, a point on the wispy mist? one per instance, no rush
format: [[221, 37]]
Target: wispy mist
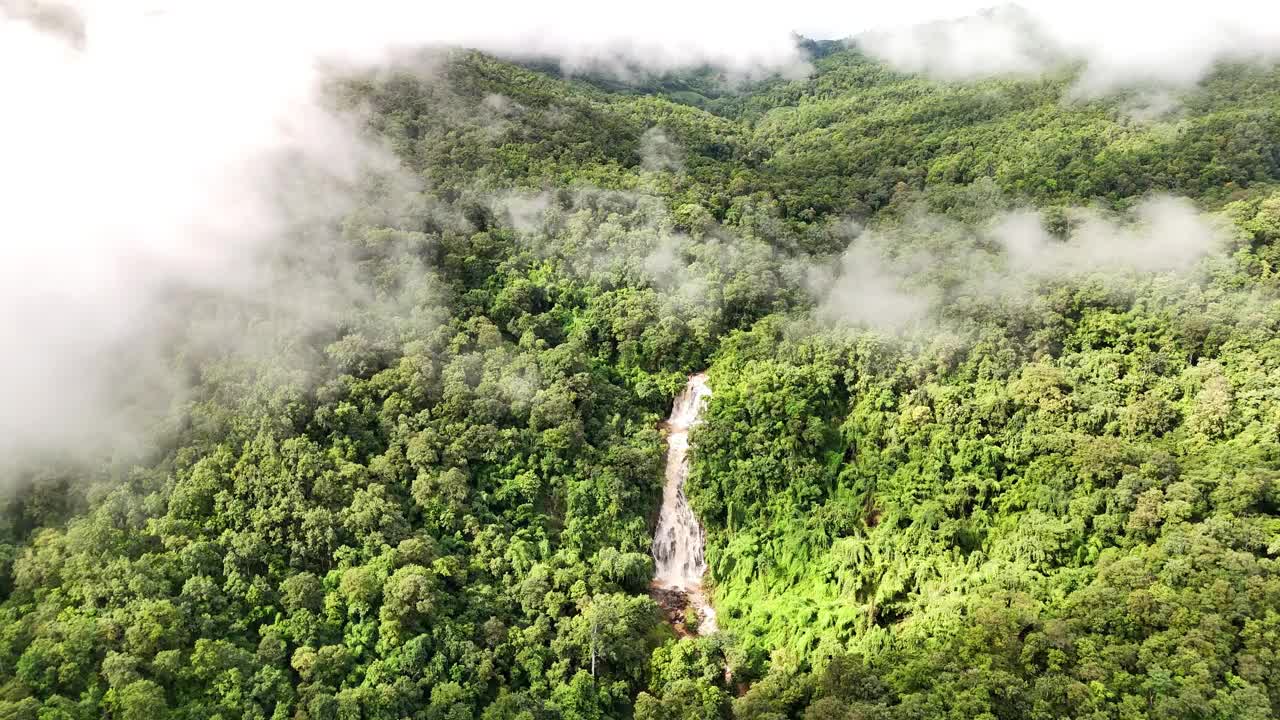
[[156, 150], [146, 165], [903, 276], [1116, 45]]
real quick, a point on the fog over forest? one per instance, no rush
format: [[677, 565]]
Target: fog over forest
[[342, 343]]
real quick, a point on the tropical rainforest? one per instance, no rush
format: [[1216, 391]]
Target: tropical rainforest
[[1034, 495]]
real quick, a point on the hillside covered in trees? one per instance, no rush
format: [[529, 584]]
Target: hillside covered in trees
[[994, 432]]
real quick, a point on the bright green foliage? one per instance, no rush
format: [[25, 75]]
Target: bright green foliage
[[1083, 512]]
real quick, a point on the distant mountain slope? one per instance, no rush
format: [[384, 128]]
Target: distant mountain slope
[[940, 478]]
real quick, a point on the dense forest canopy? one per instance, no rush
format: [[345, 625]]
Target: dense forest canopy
[[995, 430]]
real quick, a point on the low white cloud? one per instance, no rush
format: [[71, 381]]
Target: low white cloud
[[659, 153], [863, 288], [1165, 234], [1001, 41], [1116, 45], [147, 157], [899, 277]]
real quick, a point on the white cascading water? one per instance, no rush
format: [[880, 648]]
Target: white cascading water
[[679, 541]]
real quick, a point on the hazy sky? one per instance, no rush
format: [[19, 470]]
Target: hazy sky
[[1170, 41]]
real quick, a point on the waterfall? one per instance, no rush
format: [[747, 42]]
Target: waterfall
[[679, 541]]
